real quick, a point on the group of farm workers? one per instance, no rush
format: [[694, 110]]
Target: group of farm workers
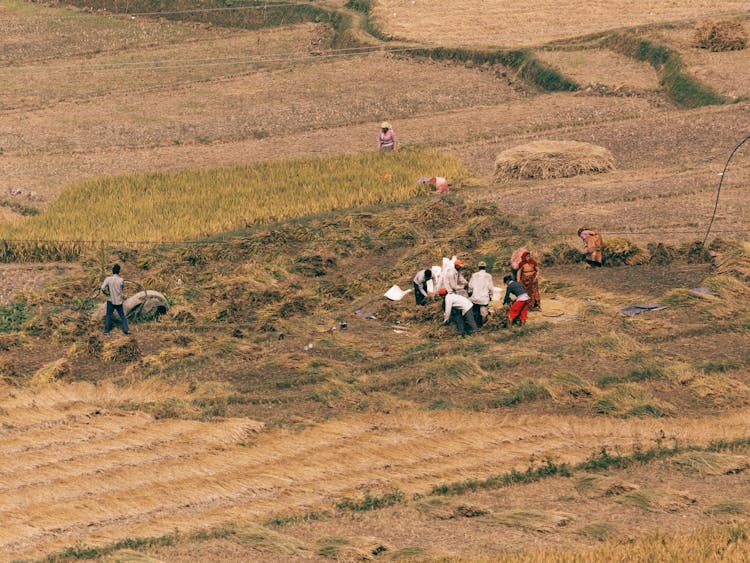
[[467, 304]]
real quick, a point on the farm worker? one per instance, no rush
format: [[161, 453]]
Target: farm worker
[[458, 308], [480, 291], [592, 242], [528, 275], [520, 308], [515, 261], [441, 185], [453, 281], [386, 138], [112, 287], [420, 285], [437, 184]]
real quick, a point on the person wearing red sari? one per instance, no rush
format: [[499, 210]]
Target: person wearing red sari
[[528, 276]]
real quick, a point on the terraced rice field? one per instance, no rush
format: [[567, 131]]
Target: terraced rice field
[[78, 468]]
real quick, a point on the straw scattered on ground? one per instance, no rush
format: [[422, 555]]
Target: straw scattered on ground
[[724, 35]]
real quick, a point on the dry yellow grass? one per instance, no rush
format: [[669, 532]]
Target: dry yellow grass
[[195, 204], [517, 23], [725, 543], [170, 473], [724, 35], [552, 159]]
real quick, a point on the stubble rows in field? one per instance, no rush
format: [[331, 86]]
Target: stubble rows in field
[[76, 468], [519, 23]]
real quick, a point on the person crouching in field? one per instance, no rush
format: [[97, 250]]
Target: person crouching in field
[[112, 287], [592, 242], [458, 308], [420, 285], [519, 310], [386, 138]]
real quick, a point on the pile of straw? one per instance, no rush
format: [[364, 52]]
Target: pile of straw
[[552, 159], [726, 35]]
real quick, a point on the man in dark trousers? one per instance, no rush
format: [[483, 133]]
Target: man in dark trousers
[[519, 310], [459, 309], [420, 285], [112, 287]]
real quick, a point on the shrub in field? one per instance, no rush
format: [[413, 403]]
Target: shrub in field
[[198, 203], [618, 251], [553, 159], [725, 35]]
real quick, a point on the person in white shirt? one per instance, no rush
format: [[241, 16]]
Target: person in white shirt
[[420, 285], [480, 291], [458, 308], [453, 280], [112, 287]]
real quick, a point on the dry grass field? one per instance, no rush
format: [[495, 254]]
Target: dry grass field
[[248, 423], [519, 23]]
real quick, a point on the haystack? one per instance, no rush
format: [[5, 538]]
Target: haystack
[[552, 159], [725, 35]]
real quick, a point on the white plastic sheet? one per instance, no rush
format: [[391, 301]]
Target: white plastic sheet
[[395, 293]]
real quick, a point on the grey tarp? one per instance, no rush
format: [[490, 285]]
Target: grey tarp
[[640, 308], [143, 305]]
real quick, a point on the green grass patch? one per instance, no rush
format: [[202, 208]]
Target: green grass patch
[[365, 7], [732, 507], [637, 375], [524, 392], [523, 61], [531, 475], [598, 531], [720, 366], [192, 204], [245, 14], [370, 502], [681, 88], [13, 317]]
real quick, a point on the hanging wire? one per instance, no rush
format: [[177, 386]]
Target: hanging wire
[[718, 190]]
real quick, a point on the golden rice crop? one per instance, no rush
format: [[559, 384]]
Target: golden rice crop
[[197, 203]]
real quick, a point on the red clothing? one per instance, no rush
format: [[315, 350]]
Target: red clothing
[[520, 310], [528, 275]]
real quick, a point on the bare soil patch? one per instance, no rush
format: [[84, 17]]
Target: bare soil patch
[[33, 33], [153, 66], [264, 104], [520, 24], [19, 277]]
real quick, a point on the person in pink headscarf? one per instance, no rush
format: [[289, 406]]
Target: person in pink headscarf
[[386, 138]]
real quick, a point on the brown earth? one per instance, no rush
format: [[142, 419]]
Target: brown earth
[[93, 463]]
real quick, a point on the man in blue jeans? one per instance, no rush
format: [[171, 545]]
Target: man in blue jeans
[[112, 287]]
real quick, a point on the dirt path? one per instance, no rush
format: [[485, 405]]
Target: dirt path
[[73, 471]]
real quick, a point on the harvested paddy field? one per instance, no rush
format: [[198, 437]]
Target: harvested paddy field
[[519, 23], [282, 408], [79, 469]]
